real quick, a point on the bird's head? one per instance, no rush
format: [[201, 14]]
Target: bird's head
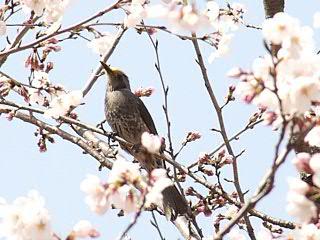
[[117, 79]]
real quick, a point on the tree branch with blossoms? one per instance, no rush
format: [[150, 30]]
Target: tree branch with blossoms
[[283, 85], [222, 131], [94, 141]]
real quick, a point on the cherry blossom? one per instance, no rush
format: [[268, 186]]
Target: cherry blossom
[[193, 136], [123, 172], [222, 47], [306, 232], [234, 234], [137, 13], [187, 18], [313, 137], [160, 181], [302, 161], [280, 27], [41, 79], [84, 229], [97, 195], [231, 212], [288, 82], [157, 11], [212, 11], [125, 197], [151, 142], [35, 96], [299, 205], [34, 5], [126, 188], [55, 10], [26, 219], [102, 44], [52, 10], [224, 157], [60, 105]]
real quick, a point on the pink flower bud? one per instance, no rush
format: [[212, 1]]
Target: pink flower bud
[[207, 212], [270, 117], [192, 136], [208, 172], [232, 88], [52, 40], [10, 115], [204, 158], [49, 67], [144, 92]]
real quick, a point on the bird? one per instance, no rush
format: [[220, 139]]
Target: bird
[[129, 118]]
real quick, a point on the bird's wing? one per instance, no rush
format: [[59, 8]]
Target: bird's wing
[[146, 117]]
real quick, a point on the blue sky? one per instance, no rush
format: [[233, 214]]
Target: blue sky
[[57, 173]]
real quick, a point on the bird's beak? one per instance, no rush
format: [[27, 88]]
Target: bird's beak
[[107, 68]]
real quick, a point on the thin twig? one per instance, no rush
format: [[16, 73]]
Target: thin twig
[[156, 225], [234, 137]]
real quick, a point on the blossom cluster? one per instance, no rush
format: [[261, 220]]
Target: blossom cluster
[[28, 219], [126, 188], [63, 103], [220, 22], [57, 101], [303, 195], [285, 81], [52, 10], [220, 159], [187, 17]]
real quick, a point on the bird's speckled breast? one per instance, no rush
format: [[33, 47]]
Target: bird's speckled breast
[[123, 115]]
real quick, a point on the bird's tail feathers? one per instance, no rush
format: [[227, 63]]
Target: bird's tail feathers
[[173, 203]]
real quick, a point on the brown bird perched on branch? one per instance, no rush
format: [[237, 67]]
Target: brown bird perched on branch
[[129, 118]]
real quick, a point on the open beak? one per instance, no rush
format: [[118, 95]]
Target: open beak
[[107, 68]]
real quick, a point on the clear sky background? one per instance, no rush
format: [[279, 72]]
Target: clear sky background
[[57, 173]]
